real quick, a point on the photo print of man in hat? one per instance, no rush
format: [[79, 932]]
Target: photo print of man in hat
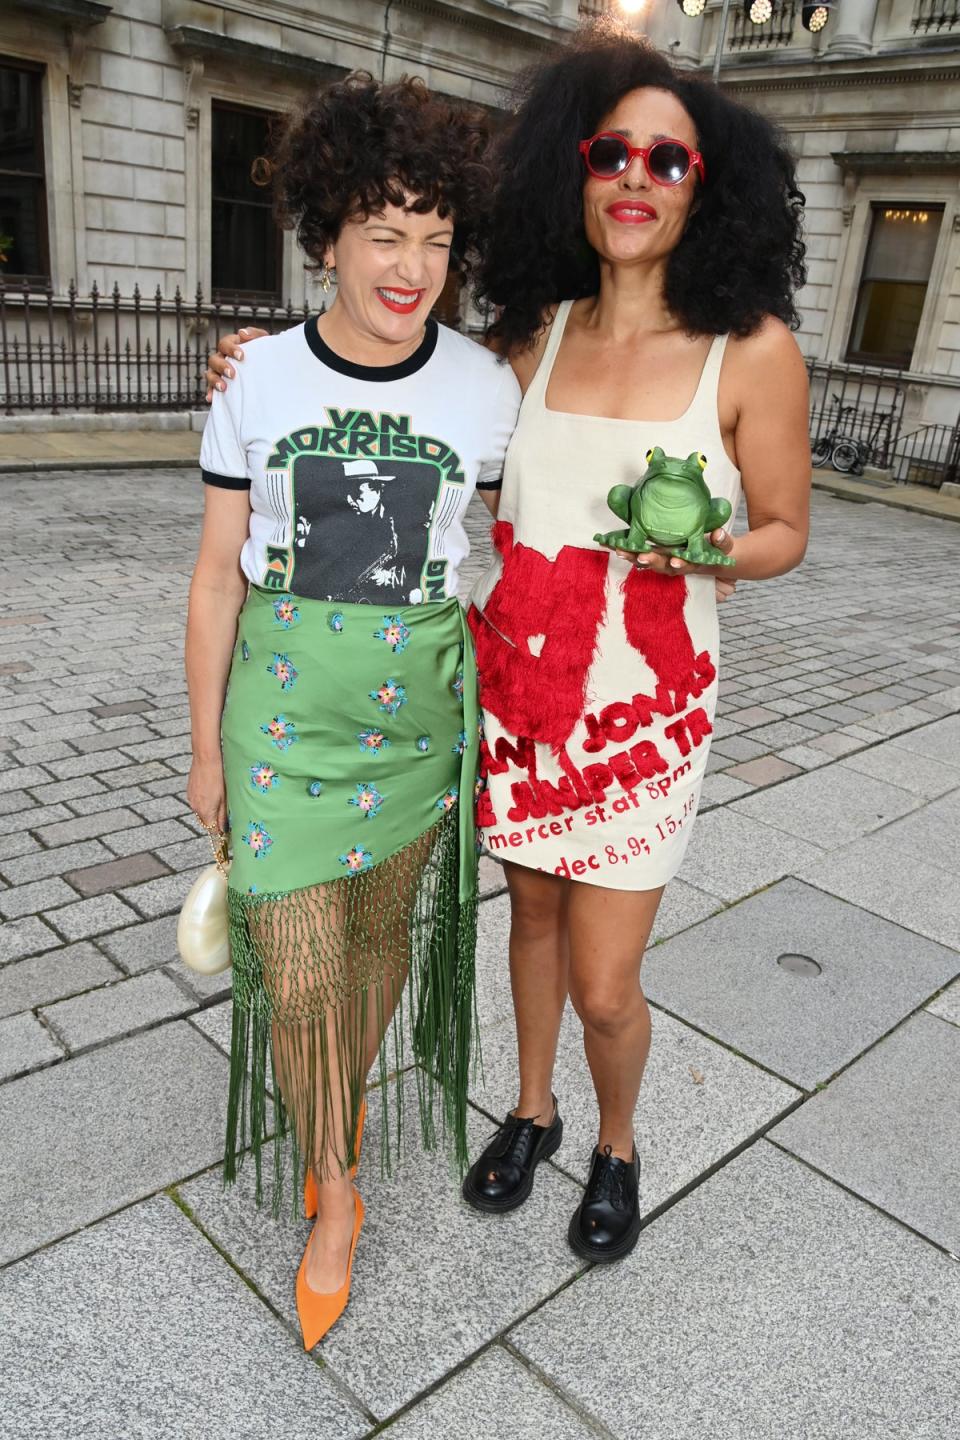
[[362, 532]]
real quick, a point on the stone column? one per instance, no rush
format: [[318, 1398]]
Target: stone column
[[851, 23]]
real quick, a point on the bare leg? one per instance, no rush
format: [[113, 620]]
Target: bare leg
[[609, 930], [539, 964]]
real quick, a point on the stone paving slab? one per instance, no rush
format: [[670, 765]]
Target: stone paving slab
[[682, 905], [141, 947], [889, 1128], [829, 807], [698, 1102], [432, 1279], [931, 835], [42, 979], [25, 1045], [494, 996], [732, 855], [137, 1327], [205, 989], [871, 873], [115, 1010], [947, 1005], [494, 1396], [765, 1304], [940, 741], [95, 1133], [920, 774], [25, 938], [723, 977]]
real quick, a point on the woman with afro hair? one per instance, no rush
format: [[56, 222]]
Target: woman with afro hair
[[644, 252], [331, 672]]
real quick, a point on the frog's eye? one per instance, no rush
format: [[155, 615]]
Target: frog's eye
[[703, 460], [649, 455]]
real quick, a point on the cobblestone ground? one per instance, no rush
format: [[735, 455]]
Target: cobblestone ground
[[800, 1122]]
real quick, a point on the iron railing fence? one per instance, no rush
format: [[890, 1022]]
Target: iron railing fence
[[855, 406], [857, 419], [108, 352], [927, 455]]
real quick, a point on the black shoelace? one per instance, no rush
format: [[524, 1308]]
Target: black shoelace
[[608, 1179], [514, 1134]]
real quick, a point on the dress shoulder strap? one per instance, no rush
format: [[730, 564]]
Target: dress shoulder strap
[[541, 379], [704, 402]]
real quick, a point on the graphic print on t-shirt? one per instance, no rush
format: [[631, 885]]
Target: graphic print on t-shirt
[[362, 503]]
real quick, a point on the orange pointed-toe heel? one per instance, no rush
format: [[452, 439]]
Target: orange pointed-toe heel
[[319, 1312], [310, 1185]]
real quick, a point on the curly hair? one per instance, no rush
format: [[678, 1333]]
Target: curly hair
[[741, 256], [359, 145]]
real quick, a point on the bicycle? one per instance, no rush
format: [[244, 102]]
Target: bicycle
[[847, 453]]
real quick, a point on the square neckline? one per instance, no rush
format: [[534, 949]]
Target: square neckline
[[550, 358]]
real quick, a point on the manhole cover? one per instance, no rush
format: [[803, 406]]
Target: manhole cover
[[799, 964]]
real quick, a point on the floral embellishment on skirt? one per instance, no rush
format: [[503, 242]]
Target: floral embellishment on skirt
[[457, 686], [447, 801], [285, 671], [396, 634], [336, 622], [357, 859], [263, 777], [286, 612], [368, 799], [390, 696], [461, 743], [258, 839], [423, 743], [315, 788], [372, 741], [281, 731]]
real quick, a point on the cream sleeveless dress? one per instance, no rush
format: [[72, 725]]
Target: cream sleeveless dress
[[598, 682]]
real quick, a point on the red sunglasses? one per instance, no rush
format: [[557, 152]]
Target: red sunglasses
[[668, 162]]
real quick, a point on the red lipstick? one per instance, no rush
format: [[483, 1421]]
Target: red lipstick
[[632, 212], [399, 300]]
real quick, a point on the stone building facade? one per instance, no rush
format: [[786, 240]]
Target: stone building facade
[[128, 128], [138, 111], [872, 107]]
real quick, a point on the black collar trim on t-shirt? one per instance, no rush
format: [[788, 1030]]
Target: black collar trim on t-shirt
[[401, 371]]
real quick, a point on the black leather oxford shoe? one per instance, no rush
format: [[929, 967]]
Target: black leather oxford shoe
[[606, 1223], [502, 1178]]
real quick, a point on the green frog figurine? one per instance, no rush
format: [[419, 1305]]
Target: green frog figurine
[[669, 509]]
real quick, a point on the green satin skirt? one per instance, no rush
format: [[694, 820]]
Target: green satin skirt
[[350, 740]]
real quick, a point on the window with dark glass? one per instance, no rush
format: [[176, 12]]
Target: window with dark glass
[[893, 286], [247, 252], [24, 251]]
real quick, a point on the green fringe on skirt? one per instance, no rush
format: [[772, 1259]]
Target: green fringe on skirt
[[309, 999]]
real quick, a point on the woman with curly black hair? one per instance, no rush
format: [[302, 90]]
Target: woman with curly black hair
[[645, 250], [331, 674]]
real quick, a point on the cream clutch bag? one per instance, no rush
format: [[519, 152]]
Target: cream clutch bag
[[202, 931]]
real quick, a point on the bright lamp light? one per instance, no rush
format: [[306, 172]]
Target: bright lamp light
[[692, 8], [814, 17], [759, 11]]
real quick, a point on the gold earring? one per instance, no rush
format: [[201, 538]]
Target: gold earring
[[325, 279]]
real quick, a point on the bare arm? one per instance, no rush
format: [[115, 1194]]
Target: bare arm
[[773, 453], [217, 592], [769, 382]]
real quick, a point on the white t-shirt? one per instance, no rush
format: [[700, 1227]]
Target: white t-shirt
[[359, 475]]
